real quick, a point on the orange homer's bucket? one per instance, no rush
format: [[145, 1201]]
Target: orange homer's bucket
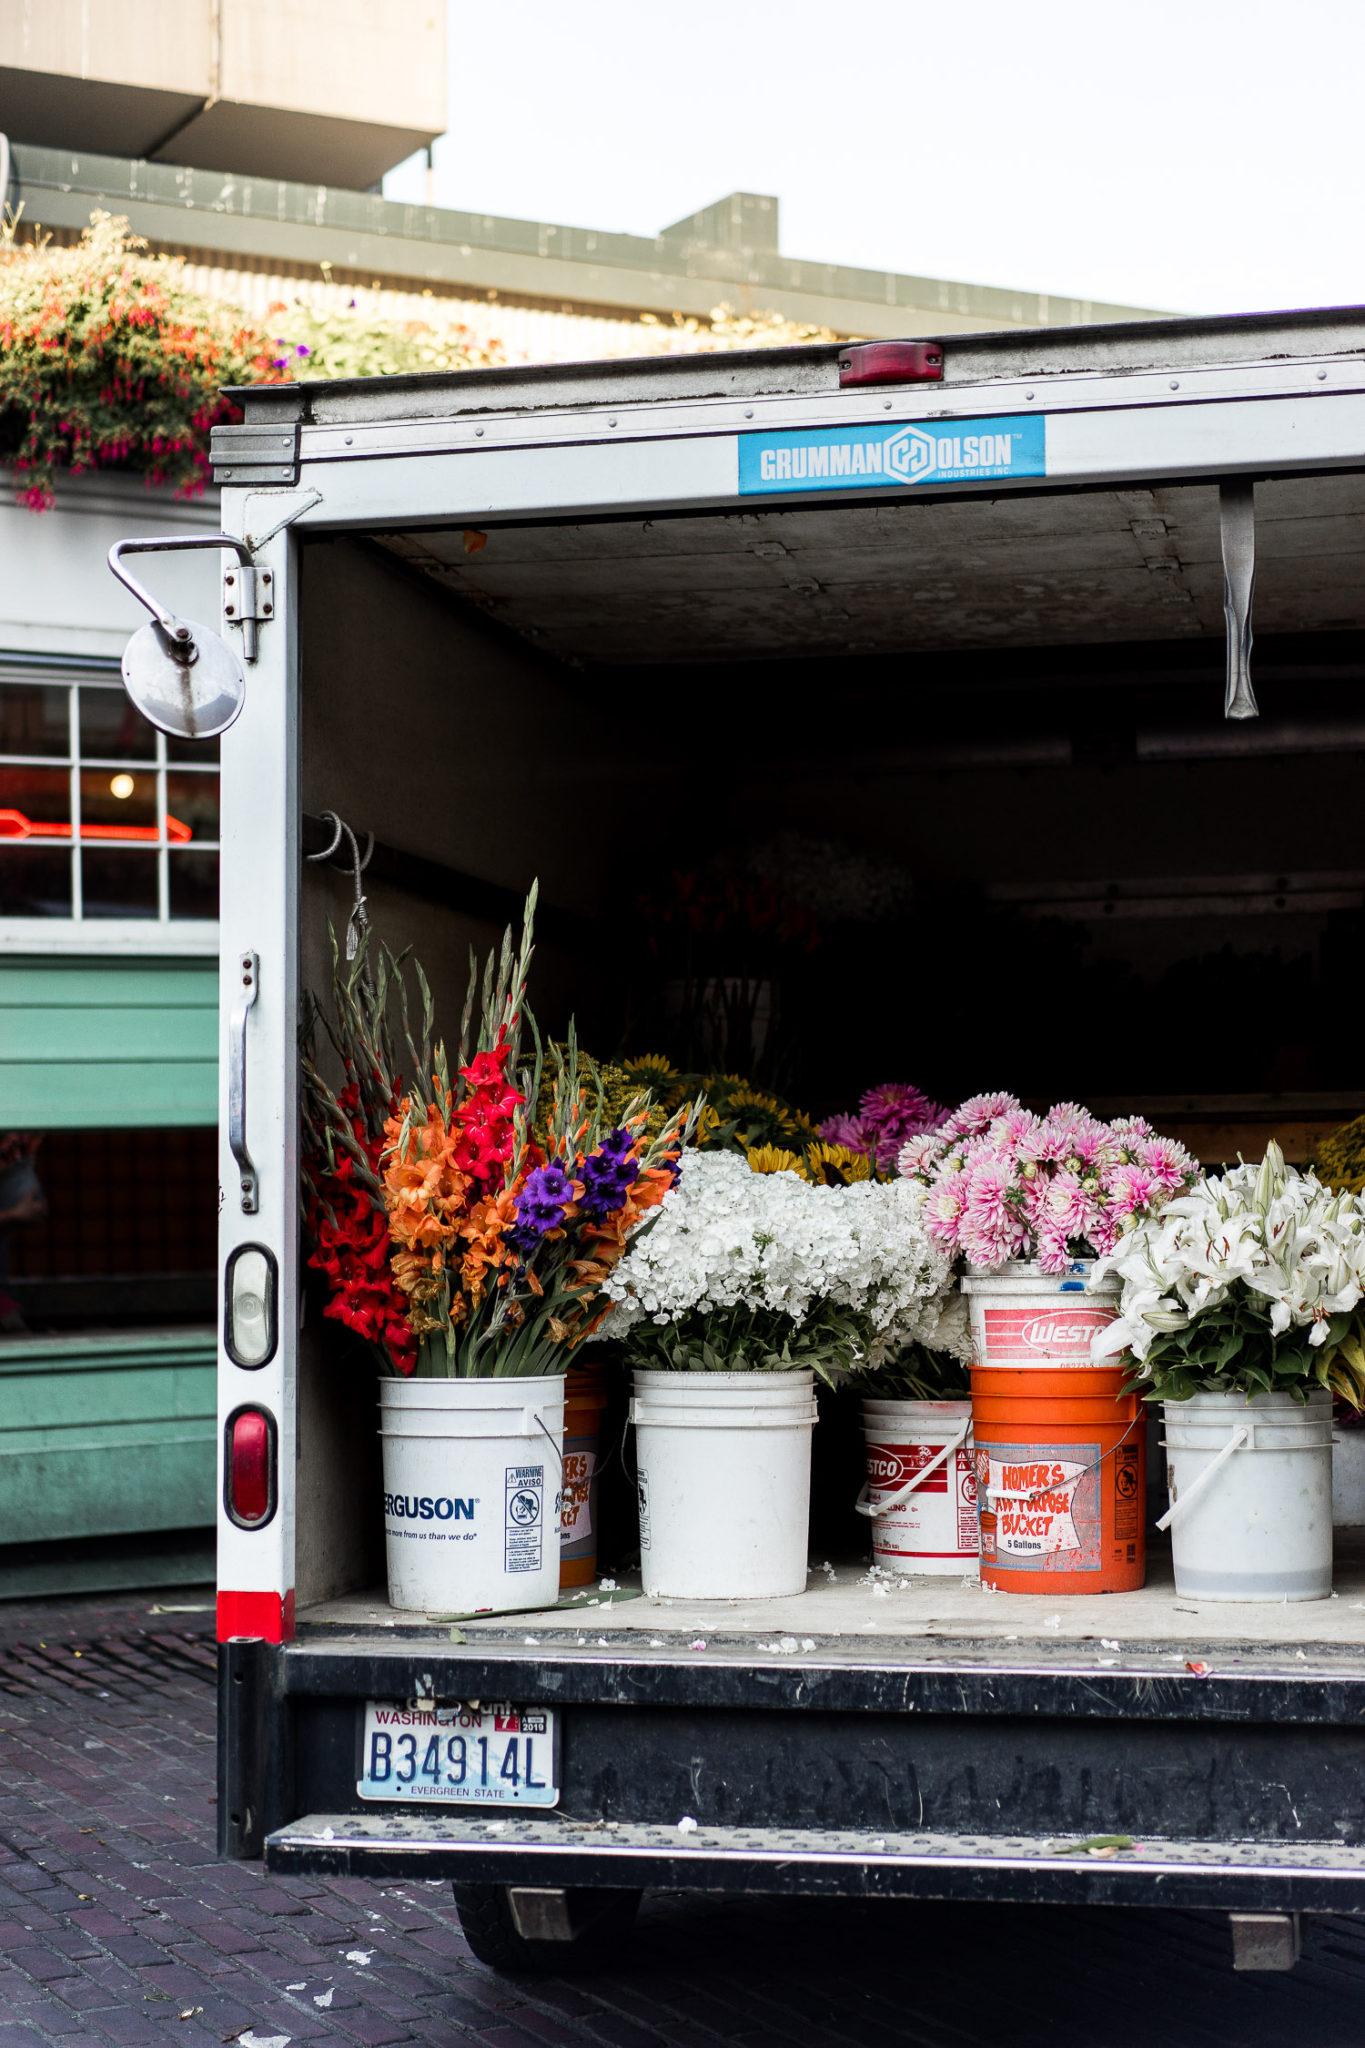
[[1060, 1452], [584, 1402]]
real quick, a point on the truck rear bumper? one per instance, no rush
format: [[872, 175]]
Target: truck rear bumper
[[551, 1850]]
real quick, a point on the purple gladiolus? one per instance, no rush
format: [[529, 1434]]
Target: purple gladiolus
[[608, 1175]]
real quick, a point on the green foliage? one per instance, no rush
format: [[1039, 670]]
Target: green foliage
[[108, 361], [359, 341], [1232, 1349], [917, 1374], [831, 1341], [609, 1093]]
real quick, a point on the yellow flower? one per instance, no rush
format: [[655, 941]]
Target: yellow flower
[[651, 1066], [773, 1159], [833, 1165], [750, 1098]]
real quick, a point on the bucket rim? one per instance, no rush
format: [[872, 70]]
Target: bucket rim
[[784, 1375], [512, 1391], [1231, 1400]]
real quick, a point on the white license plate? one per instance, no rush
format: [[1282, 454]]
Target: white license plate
[[479, 1755]]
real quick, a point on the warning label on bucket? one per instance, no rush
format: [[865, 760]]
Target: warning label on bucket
[[525, 1517], [1041, 1505], [1053, 1336]]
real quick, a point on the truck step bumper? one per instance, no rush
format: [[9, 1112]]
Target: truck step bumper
[[551, 1850]]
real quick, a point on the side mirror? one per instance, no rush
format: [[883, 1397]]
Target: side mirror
[[183, 677]]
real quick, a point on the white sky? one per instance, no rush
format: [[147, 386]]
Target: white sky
[[1190, 155]]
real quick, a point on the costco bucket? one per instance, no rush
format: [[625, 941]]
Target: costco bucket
[[1251, 1496], [921, 1485], [471, 1492], [1061, 1452], [584, 1402], [723, 1473]]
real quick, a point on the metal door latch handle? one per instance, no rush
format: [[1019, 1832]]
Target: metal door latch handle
[[1237, 522], [248, 594], [248, 966]]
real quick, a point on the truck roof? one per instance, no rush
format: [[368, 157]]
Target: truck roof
[[968, 359]]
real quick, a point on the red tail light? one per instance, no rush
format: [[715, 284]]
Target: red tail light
[[891, 362], [249, 1468]]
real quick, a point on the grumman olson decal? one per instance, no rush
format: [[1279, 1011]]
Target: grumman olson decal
[[868, 458]]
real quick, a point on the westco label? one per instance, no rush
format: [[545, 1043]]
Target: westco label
[[1048, 1334], [1016, 1336]]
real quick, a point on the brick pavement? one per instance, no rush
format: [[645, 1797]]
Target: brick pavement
[[119, 1928]]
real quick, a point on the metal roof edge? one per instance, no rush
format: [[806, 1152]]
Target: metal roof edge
[[430, 245], [968, 358]]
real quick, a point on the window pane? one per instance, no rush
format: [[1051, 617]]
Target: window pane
[[35, 881], [33, 719], [205, 752], [120, 801], [37, 796], [118, 882], [194, 884], [112, 729], [193, 801]]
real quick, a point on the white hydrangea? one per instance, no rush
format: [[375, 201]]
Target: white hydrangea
[[1276, 1231], [727, 1237]]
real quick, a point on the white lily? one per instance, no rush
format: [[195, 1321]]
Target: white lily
[[1267, 1229]]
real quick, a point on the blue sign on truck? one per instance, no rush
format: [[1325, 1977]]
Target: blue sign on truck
[[867, 458]]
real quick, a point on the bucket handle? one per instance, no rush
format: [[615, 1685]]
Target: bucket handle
[[530, 1415], [863, 1506], [1241, 1435], [533, 1415]]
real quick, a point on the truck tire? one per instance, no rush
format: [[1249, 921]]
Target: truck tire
[[487, 1925]]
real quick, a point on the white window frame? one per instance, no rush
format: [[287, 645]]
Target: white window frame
[[159, 935]]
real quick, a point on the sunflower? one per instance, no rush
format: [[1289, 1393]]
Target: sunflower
[[774, 1159], [837, 1165], [650, 1069]]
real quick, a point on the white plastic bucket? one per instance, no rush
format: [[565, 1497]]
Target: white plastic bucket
[[472, 1492], [1251, 1496], [921, 1485], [1023, 1317], [723, 1468], [1348, 1476]]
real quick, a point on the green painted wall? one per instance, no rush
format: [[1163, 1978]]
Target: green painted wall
[[107, 1044], [105, 1435]]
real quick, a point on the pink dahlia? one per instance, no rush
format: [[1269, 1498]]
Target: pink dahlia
[[944, 1209], [1168, 1161], [1131, 1189], [920, 1155], [847, 1130], [975, 1116]]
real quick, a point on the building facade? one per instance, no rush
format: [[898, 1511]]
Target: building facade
[[240, 139]]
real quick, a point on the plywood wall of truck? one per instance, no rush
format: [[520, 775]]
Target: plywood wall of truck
[[449, 740]]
